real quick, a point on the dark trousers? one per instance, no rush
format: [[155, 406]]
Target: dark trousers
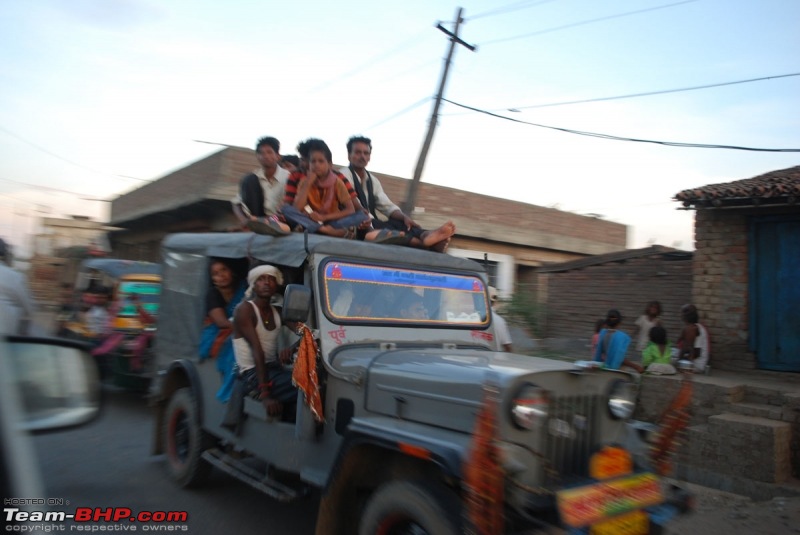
[[393, 224]]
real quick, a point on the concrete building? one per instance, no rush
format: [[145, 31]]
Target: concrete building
[[512, 237], [57, 248]]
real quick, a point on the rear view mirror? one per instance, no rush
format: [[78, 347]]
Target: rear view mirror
[[57, 382], [296, 303]]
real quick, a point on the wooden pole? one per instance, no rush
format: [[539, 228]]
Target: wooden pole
[[411, 197]]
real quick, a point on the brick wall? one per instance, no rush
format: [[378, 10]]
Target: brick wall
[[576, 299], [512, 214], [720, 289], [190, 184]]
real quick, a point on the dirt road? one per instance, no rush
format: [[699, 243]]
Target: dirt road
[[721, 513]]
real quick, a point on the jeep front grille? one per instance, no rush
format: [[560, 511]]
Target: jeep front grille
[[571, 436]]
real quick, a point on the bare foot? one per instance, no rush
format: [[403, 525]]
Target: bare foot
[[441, 247], [433, 237]]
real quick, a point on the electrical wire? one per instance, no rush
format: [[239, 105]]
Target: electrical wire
[[54, 155], [582, 23], [413, 41], [509, 8], [647, 94], [46, 188], [621, 138], [398, 114]]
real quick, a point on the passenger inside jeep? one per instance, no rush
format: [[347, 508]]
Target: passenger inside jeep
[[360, 292], [264, 370], [412, 307]]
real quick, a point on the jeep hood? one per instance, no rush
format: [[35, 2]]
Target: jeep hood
[[445, 387]]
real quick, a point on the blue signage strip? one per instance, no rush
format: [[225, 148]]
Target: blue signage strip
[[401, 277]]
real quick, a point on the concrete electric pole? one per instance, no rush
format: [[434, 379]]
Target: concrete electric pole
[[411, 198]]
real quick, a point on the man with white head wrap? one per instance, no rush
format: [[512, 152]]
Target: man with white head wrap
[[256, 325]]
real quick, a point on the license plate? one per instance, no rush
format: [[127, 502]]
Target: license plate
[[592, 504], [635, 523]]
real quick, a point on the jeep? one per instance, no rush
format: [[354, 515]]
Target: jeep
[[401, 394]]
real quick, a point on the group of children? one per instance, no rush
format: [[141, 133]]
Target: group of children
[[610, 345]]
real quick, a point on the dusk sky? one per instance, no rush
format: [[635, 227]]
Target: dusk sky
[[100, 96]]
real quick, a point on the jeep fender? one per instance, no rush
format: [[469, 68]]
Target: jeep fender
[[179, 374], [376, 450]]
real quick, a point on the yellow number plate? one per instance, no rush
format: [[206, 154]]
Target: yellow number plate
[[635, 523]]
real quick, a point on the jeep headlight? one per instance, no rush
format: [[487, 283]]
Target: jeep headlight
[[529, 407], [622, 399]]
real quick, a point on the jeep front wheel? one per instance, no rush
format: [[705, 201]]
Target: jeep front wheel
[[400, 508], [185, 440]]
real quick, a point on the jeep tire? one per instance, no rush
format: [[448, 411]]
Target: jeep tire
[[402, 507], [185, 441]]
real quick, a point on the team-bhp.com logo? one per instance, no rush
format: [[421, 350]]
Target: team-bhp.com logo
[[85, 519]]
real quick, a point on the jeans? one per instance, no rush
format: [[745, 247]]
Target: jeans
[[296, 217]]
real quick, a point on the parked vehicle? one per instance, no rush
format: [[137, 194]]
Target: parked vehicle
[[407, 401], [133, 305]]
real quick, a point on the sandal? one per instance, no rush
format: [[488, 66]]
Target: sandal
[[390, 237], [268, 227]]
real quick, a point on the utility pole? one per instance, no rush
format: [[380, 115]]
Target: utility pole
[[411, 198]]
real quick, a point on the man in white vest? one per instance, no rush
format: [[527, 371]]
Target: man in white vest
[[374, 200]]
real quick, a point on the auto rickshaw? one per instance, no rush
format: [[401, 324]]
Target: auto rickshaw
[[123, 346]]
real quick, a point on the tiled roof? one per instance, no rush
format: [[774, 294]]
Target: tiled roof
[[776, 187]]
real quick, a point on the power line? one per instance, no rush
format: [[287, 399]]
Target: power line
[[398, 114], [584, 22], [509, 8], [54, 155], [371, 61], [620, 138], [48, 188], [649, 93], [410, 70]]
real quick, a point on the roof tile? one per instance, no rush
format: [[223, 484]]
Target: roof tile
[[773, 186]]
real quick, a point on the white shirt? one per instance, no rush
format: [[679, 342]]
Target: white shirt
[[701, 343], [501, 333], [644, 324], [268, 340], [383, 204], [15, 302], [273, 188], [97, 319]]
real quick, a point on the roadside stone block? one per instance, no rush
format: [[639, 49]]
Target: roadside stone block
[[766, 396], [748, 446]]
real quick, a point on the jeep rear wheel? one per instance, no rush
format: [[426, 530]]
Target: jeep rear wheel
[[405, 508], [185, 440]]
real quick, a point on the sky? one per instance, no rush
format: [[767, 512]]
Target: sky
[[97, 97]]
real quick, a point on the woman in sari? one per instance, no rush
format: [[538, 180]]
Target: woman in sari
[[215, 341], [612, 345]]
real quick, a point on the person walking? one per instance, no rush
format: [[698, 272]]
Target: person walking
[[16, 305], [501, 333]]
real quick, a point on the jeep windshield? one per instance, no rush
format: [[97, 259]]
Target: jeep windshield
[[364, 293]]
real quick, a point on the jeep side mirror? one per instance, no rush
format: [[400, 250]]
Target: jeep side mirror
[[56, 380], [296, 303]]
